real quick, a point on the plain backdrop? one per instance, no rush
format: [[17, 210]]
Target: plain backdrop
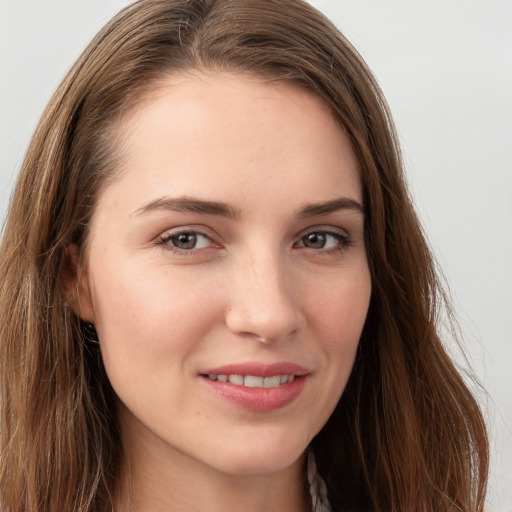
[[446, 69]]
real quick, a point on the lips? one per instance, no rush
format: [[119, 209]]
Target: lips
[[257, 387]]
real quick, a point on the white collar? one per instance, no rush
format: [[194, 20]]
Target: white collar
[[317, 487]]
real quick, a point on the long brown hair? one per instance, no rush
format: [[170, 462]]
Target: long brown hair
[[407, 433]]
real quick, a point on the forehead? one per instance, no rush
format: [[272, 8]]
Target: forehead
[[235, 135]]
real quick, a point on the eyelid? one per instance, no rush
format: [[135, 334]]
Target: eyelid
[[322, 228], [188, 228]]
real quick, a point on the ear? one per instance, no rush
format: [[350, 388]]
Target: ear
[[75, 284]]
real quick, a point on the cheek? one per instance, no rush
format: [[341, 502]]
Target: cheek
[[150, 327], [150, 316], [147, 297], [338, 315], [340, 306]]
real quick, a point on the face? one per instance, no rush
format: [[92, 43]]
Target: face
[[226, 272]]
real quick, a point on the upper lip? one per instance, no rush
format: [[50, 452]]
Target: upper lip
[[258, 369]]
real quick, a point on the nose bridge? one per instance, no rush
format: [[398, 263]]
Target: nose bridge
[[262, 303]]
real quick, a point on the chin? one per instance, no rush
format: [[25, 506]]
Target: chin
[[260, 458]]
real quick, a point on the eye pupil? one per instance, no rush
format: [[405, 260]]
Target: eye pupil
[[184, 240], [315, 240]]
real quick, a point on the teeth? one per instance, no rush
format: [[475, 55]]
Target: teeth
[[271, 382], [236, 379], [253, 381]]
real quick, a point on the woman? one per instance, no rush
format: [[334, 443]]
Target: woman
[[214, 283]]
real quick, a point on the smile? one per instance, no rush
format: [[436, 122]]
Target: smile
[[253, 381], [255, 386]]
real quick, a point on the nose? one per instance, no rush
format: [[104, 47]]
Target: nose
[[263, 305]]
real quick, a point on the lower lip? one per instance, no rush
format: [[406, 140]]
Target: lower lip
[[258, 399]]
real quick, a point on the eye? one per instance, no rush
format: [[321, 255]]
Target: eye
[[324, 240], [187, 240]]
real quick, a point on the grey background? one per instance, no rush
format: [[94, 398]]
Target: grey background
[[446, 69]]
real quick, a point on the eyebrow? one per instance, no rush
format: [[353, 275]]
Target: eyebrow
[[201, 206], [190, 204], [334, 205]]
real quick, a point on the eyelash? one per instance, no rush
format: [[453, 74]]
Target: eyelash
[[344, 241]]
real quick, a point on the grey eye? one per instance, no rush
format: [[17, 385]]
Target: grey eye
[[316, 240], [184, 240], [188, 240], [324, 240]]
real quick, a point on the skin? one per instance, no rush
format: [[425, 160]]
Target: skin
[[263, 284]]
